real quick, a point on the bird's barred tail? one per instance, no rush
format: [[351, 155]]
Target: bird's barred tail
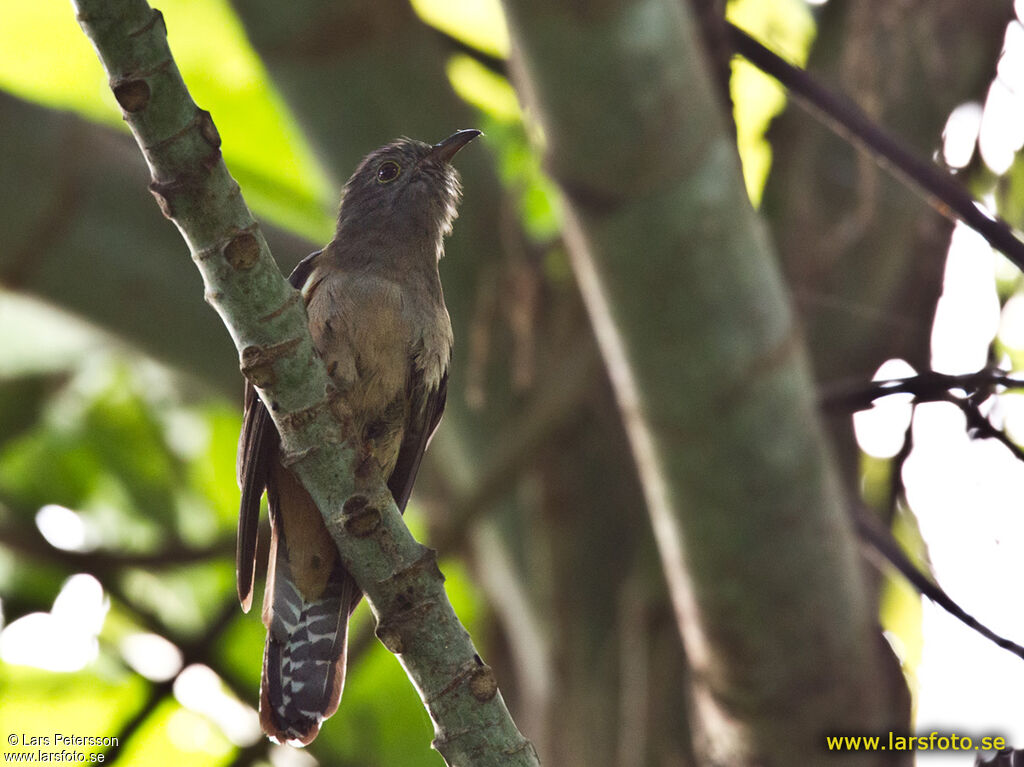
[[304, 658]]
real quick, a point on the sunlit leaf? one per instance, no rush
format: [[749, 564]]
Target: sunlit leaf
[[487, 91], [481, 23], [41, 703], [381, 715], [211, 471], [44, 57], [521, 173], [787, 28], [173, 736], [185, 597]]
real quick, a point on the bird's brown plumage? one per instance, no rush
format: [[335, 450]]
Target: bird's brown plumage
[[378, 320]]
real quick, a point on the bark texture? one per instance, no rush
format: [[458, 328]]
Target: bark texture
[[711, 379]]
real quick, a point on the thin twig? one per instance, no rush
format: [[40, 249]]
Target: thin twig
[[979, 427], [28, 541], [930, 386], [847, 120]]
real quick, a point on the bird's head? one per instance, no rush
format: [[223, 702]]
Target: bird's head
[[405, 189]]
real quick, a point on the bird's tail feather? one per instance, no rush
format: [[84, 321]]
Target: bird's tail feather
[[304, 658]]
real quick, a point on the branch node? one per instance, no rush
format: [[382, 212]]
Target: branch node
[[242, 251], [156, 17], [257, 363], [163, 192], [132, 94], [404, 625], [468, 674], [199, 120], [359, 518], [208, 129], [391, 637], [482, 683], [408, 606], [292, 457], [295, 297], [184, 186], [299, 419], [426, 563]]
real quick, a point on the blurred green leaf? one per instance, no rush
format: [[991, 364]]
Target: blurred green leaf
[[900, 607], [787, 28], [241, 648], [382, 716], [45, 466], [173, 736], [44, 57], [487, 91], [211, 470], [186, 597], [22, 400], [480, 23], [524, 179], [27, 589], [43, 339], [95, 451], [1009, 190], [43, 703]]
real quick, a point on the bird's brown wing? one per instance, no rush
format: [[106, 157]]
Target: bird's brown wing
[[426, 406], [257, 449]]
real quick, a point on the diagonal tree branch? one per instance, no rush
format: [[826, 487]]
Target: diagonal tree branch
[[929, 386], [267, 322]]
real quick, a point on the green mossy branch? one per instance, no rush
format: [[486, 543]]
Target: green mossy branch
[[267, 321]]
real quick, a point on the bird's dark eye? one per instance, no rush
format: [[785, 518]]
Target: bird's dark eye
[[388, 171]]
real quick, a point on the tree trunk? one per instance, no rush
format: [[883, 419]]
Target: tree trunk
[[711, 378]]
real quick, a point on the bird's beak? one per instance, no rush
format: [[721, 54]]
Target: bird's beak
[[444, 151]]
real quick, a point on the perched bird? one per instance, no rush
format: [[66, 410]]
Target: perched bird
[[378, 319]]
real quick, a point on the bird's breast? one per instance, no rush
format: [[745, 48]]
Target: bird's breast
[[371, 330], [364, 335]]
